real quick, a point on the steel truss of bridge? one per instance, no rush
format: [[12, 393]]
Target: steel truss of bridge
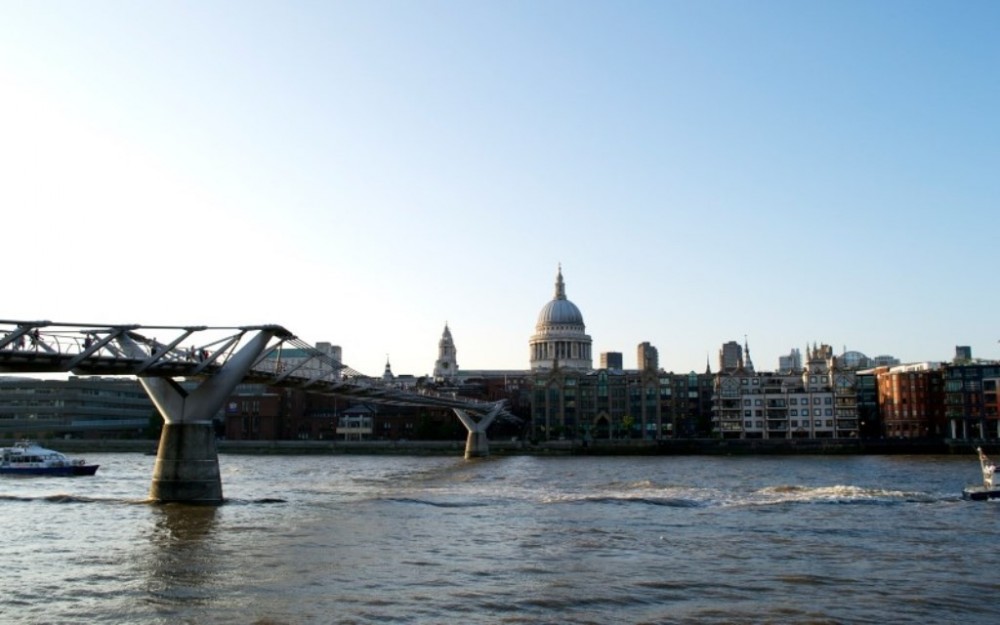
[[198, 352]]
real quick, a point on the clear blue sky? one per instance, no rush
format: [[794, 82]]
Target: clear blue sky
[[362, 172]]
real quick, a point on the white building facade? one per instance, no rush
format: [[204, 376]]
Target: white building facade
[[821, 402]]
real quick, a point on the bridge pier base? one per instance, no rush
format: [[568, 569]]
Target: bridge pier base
[[477, 445], [187, 465]]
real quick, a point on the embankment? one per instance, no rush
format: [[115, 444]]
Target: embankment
[[702, 446]]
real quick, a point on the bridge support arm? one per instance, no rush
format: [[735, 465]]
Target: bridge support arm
[[477, 444], [176, 405]]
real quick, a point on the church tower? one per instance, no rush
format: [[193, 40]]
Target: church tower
[[446, 366]]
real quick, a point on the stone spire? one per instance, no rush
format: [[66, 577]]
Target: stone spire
[[748, 363]]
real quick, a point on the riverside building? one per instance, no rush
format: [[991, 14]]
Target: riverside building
[[972, 399], [819, 402], [957, 400], [910, 400], [80, 407]]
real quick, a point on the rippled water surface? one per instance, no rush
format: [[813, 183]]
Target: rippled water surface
[[366, 539]]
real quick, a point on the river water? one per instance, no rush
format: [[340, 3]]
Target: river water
[[387, 539]]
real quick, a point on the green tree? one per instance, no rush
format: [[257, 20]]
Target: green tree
[[627, 422]]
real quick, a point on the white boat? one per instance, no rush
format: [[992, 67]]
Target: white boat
[[987, 490], [28, 458]]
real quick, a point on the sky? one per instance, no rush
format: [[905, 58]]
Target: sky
[[364, 172]]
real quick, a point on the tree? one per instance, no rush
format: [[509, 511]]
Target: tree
[[627, 422]]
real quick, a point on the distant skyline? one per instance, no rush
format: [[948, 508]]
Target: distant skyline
[[364, 172]]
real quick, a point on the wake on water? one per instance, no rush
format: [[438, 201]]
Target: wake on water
[[678, 497]]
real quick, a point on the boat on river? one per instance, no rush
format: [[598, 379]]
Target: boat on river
[[28, 458], [988, 490]]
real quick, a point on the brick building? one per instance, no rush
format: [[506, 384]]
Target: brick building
[[910, 401]]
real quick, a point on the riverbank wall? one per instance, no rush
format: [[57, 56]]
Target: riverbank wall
[[675, 447]]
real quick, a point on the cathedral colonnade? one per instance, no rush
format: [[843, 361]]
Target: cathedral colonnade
[[561, 350]]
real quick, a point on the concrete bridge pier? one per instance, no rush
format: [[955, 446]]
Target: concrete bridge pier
[[187, 465], [187, 460], [477, 445]]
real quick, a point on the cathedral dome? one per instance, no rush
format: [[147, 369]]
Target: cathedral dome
[[560, 311], [560, 339]]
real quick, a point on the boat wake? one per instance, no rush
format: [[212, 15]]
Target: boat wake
[[837, 494], [667, 502], [65, 498], [666, 498], [685, 497], [437, 504]]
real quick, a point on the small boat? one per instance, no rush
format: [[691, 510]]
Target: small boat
[[28, 458], [987, 490]]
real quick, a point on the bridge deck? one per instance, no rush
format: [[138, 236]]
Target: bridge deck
[[197, 352]]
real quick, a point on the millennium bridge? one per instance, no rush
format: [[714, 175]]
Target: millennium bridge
[[218, 359]]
